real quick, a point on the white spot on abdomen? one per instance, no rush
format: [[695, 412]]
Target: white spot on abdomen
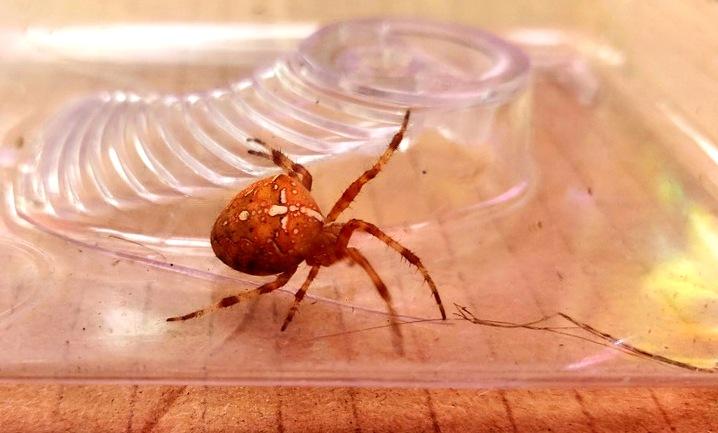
[[243, 215], [312, 213], [283, 196], [277, 210], [284, 221]]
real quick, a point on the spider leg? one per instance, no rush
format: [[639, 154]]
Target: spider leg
[[353, 225], [228, 301], [293, 169], [362, 261], [300, 295], [353, 190]]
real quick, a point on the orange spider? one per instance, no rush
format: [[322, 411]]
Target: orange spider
[[274, 224]]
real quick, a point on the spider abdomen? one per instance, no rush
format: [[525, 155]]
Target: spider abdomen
[[268, 228]]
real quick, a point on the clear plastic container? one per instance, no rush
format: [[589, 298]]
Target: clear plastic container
[[131, 155], [112, 181]]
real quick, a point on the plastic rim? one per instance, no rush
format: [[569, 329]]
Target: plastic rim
[[506, 71]]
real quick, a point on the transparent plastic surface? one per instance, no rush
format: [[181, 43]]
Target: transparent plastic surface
[[112, 181], [107, 163]]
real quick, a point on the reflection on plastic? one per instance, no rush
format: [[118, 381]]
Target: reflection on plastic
[[684, 282], [109, 162]]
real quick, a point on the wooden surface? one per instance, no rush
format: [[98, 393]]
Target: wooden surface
[[75, 408], [35, 408]]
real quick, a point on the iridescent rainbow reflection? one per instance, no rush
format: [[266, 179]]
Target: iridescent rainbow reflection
[[686, 282]]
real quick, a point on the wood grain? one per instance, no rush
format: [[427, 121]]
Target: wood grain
[[677, 32], [127, 409]]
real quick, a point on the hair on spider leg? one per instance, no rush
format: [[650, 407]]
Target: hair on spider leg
[[606, 339]]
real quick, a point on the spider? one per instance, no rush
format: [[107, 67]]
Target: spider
[[274, 225]]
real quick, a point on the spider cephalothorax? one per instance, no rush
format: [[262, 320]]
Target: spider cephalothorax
[[274, 224]]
